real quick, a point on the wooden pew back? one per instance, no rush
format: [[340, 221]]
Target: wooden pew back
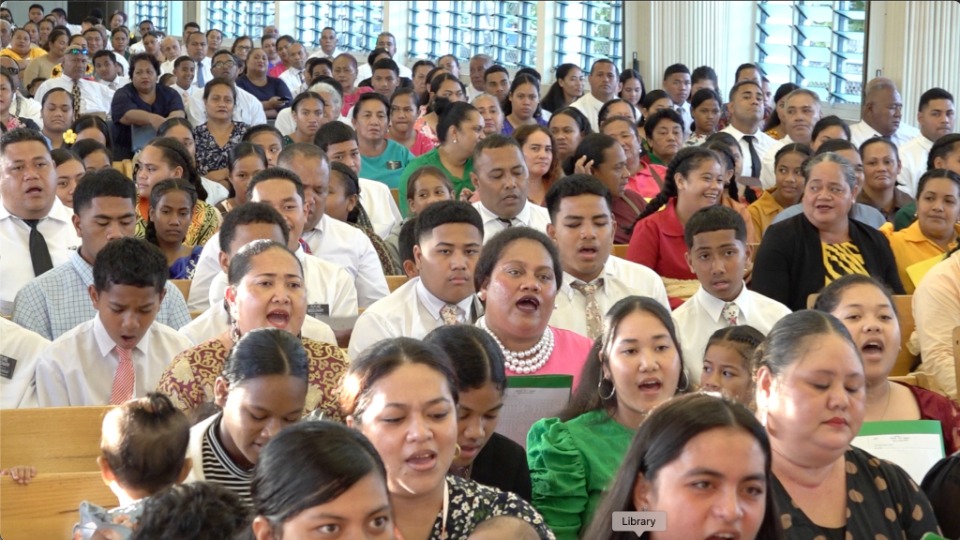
[[184, 286], [48, 506], [54, 439], [395, 282]]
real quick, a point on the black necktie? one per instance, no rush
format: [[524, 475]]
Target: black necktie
[[506, 222], [39, 253], [754, 156]]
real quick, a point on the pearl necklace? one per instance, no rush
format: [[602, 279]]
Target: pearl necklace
[[528, 361]]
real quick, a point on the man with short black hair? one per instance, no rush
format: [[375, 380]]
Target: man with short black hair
[[746, 122], [197, 51], [604, 86], [387, 42], [35, 13], [703, 77], [801, 111], [936, 117], [582, 226], [294, 76], [108, 70], [104, 209], [35, 227], [501, 178], [328, 44], [496, 80], [449, 236], [676, 83]]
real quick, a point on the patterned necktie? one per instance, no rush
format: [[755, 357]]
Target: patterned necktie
[[450, 314], [39, 252], [754, 156], [730, 314], [123, 379], [76, 98], [594, 316]]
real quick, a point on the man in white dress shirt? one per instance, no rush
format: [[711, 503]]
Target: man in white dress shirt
[[449, 235], [937, 117], [197, 50], [36, 229], [387, 42], [501, 178], [582, 225], [328, 45], [801, 111], [294, 77], [881, 113], [479, 64], [109, 72], [330, 290], [120, 353], [717, 253], [170, 47], [247, 109], [676, 83], [94, 97], [604, 82], [746, 125]]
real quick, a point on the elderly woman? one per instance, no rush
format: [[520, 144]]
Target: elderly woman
[[220, 133], [935, 231], [664, 137], [634, 367], [489, 108], [402, 394], [810, 396], [866, 308], [802, 254], [142, 104], [517, 278], [254, 301]]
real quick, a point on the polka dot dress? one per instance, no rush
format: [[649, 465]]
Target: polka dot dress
[[883, 503]]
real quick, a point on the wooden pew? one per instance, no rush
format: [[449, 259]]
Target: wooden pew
[[184, 286], [395, 192], [395, 282], [620, 250], [53, 439], [48, 506]]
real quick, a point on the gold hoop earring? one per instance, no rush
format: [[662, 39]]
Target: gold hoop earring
[[456, 451]]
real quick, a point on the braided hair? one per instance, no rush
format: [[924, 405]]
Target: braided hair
[[686, 160]]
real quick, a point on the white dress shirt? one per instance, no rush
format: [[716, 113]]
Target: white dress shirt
[[761, 143], [94, 97], [124, 63], [348, 246], [79, 366], [330, 289], [531, 215], [365, 71], [684, 111], [184, 94], [410, 311], [861, 131], [215, 321], [215, 191], [293, 78], [19, 350], [380, 206], [590, 107], [285, 124], [913, 160], [320, 54], [166, 66], [247, 109], [207, 74], [621, 279], [16, 269], [768, 172], [936, 308], [699, 317], [27, 108], [119, 82]]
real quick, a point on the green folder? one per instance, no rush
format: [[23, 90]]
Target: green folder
[[529, 398], [914, 445]]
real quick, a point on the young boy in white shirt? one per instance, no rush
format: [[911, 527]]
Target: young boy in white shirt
[[120, 353], [717, 253]]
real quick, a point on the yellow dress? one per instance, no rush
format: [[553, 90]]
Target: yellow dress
[[911, 247]]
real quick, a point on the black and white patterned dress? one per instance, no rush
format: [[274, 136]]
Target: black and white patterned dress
[[470, 504]]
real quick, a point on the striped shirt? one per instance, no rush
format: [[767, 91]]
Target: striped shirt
[[218, 468]]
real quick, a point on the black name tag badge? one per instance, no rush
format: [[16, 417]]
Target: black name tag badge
[[394, 165], [7, 366], [318, 310]]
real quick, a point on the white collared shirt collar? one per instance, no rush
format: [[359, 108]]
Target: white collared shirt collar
[[523, 216], [434, 304], [607, 273], [105, 343], [714, 306], [58, 212]]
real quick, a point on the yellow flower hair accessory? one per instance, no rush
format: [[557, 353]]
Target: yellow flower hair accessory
[[69, 136]]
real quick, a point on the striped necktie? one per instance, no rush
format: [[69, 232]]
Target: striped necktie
[[123, 379]]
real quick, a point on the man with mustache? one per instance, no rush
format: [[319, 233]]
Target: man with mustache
[[501, 178]]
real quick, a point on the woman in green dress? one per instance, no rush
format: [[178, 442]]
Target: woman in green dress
[[633, 367]]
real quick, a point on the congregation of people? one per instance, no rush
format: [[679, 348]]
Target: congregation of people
[[716, 270]]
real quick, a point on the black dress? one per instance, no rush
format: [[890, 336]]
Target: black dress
[[942, 486], [503, 464]]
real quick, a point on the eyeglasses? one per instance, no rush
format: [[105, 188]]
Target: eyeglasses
[[77, 52], [225, 64]]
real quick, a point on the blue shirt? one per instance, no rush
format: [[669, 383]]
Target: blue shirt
[[127, 99], [274, 88], [59, 300], [387, 168]]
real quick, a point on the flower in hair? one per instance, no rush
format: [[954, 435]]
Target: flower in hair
[[69, 136]]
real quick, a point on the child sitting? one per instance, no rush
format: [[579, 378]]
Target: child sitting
[[122, 351], [728, 365], [426, 185], [171, 211], [142, 445]]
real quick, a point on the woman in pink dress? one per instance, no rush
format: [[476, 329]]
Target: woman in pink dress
[[517, 279]]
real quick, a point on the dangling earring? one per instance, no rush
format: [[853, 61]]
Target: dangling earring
[[234, 333], [613, 389]]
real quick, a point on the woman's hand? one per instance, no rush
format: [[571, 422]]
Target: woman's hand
[[21, 474], [582, 166], [274, 103]]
